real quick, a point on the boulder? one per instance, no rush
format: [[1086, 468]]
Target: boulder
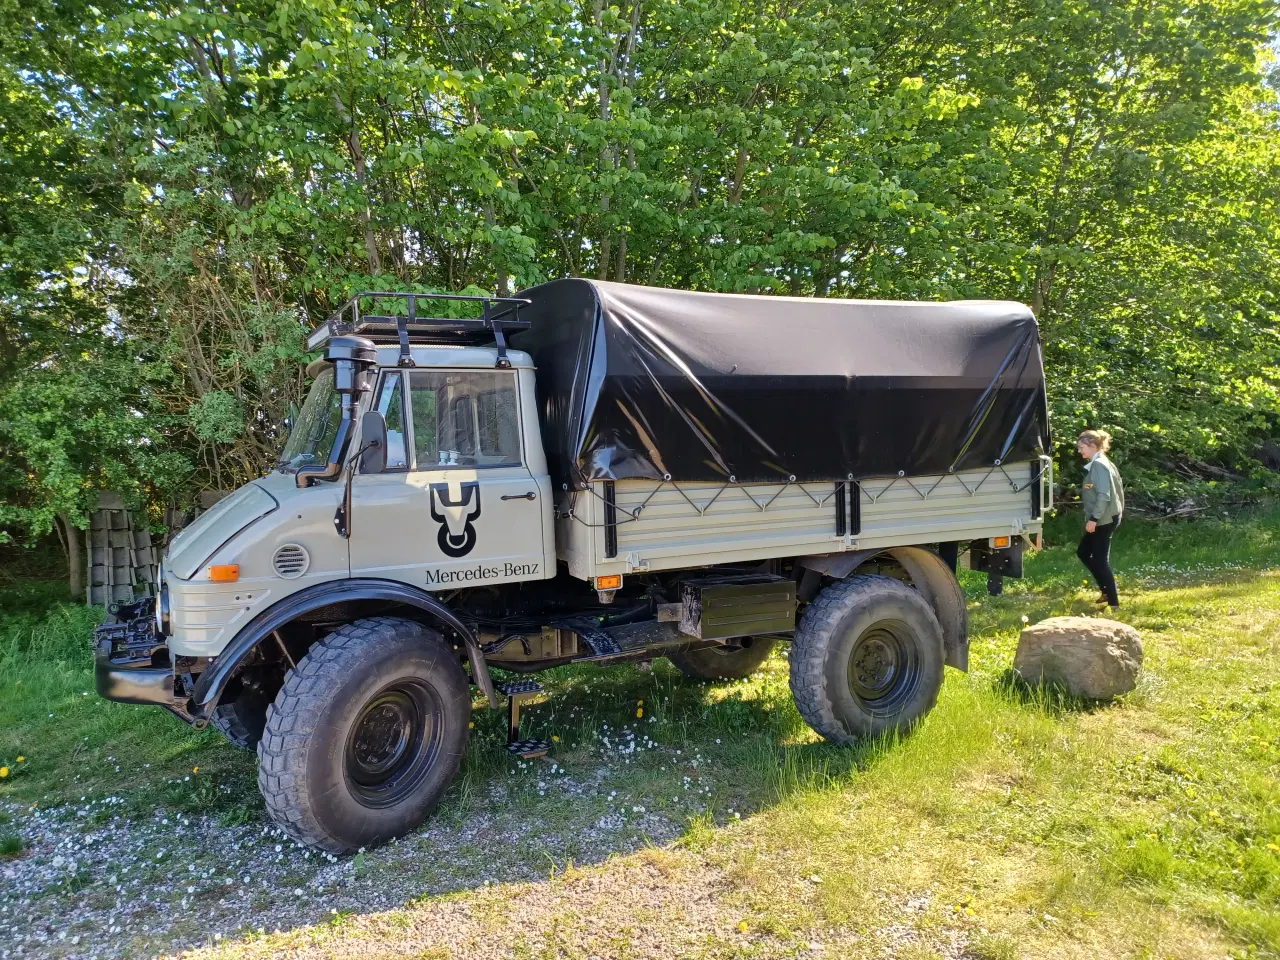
[[1089, 656]]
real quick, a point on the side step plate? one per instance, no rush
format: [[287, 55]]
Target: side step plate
[[519, 691], [528, 749]]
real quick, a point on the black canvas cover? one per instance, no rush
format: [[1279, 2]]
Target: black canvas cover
[[646, 382]]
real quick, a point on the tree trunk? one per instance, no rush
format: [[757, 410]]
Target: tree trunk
[[608, 162], [75, 561], [1040, 291], [357, 158], [503, 284]]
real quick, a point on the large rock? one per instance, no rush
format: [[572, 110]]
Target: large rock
[[1091, 657]]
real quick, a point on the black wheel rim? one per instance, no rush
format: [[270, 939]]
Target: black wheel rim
[[393, 743], [884, 666]]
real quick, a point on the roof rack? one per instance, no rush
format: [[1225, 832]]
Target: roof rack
[[499, 316]]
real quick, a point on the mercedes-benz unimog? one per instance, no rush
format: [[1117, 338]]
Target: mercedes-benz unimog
[[590, 472]]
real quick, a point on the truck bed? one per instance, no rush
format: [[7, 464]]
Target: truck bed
[[664, 525]]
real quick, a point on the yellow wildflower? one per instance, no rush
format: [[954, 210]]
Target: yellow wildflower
[[471, 725], [742, 926], [640, 711], [22, 759], [195, 769], [4, 771], [555, 738]]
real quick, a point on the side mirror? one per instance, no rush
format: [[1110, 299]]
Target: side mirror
[[373, 442]]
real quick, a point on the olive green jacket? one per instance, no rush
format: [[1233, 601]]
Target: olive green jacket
[[1102, 491]]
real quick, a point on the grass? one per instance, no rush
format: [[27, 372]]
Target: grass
[[1007, 825]]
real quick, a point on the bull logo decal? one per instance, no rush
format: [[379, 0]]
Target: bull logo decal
[[457, 535]]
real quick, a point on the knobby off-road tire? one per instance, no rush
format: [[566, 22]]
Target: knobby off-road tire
[[365, 735], [724, 663], [867, 659]]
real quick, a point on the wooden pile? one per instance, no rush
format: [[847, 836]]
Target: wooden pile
[[120, 557]]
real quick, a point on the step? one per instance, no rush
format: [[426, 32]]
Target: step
[[529, 749], [520, 688]]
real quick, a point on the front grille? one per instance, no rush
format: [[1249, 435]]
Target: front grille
[[291, 561]]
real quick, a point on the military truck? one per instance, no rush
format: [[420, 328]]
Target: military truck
[[590, 472]]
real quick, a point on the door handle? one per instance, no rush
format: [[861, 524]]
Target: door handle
[[520, 496]]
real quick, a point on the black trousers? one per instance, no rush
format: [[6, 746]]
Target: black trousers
[[1095, 553]]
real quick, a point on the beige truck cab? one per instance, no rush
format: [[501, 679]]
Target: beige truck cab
[[590, 472]]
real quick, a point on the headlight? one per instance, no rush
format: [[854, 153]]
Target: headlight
[[162, 606]]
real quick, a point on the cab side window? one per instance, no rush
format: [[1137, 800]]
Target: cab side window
[[464, 426], [465, 418], [391, 406], [498, 426]]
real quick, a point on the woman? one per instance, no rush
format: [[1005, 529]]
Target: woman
[[1103, 496]]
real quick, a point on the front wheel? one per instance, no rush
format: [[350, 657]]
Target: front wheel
[[365, 736], [867, 659]]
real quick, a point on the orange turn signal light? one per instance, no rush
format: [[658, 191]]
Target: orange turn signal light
[[999, 542], [225, 573], [611, 582]]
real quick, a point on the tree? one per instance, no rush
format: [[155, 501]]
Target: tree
[[186, 187]]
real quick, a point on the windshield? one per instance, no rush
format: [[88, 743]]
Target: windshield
[[312, 436]]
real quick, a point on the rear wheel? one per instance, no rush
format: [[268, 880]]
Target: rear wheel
[[739, 658], [365, 736], [867, 659], [240, 721], [242, 713]]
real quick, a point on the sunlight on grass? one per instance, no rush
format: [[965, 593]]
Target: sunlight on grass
[[1011, 823]]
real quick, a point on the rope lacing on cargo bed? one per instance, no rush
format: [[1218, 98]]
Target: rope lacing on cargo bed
[[920, 485]]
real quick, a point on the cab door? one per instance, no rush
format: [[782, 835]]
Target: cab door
[[458, 505]]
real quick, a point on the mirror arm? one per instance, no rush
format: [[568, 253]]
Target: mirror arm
[[342, 517]]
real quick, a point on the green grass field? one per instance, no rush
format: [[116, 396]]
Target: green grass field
[[1008, 825]]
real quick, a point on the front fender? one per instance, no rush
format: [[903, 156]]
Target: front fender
[[213, 681]]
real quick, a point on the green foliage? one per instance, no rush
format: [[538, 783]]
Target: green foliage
[[184, 188], [217, 417]]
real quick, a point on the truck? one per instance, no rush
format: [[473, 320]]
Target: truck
[[590, 472]]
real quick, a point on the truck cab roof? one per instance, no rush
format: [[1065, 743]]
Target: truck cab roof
[[444, 355], [441, 355]]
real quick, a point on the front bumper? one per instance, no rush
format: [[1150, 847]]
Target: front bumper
[[131, 662]]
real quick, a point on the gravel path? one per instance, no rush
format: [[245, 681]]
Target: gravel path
[[633, 909], [96, 882]]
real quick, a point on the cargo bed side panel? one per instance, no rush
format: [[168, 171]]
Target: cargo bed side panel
[[702, 524]]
